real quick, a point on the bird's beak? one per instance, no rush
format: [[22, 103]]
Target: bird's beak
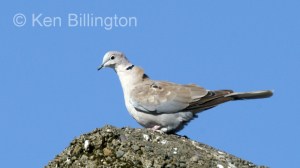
[[100, 67]]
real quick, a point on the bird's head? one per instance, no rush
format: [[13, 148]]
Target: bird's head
[[112, 59]]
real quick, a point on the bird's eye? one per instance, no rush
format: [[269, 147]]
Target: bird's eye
[[112, 57]]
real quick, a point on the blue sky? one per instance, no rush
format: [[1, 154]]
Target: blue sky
[[51, 92]]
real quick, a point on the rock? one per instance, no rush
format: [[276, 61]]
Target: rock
[[119, 153], [135, 147], [146, 137], [195, 158], [128, 147]]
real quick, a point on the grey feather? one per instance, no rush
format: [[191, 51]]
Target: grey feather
[[251, 95]]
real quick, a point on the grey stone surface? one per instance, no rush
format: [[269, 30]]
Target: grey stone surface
[[128, 147]]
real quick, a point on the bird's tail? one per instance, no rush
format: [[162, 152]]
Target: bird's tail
[[250, 95], [216, 97]]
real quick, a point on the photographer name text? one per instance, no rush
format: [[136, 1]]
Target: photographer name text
[[75, 20]]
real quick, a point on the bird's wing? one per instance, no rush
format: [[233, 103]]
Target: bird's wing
[[165, 97]]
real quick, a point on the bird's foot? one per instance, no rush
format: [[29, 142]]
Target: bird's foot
[[158, 129]]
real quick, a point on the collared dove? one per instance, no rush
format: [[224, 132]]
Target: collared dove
[[165, 106]]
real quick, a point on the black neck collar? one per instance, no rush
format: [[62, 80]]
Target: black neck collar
[[130, 67]]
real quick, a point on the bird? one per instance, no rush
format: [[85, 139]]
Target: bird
[[164, 106]]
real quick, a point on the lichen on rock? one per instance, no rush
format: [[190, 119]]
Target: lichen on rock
[[128, 147]]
